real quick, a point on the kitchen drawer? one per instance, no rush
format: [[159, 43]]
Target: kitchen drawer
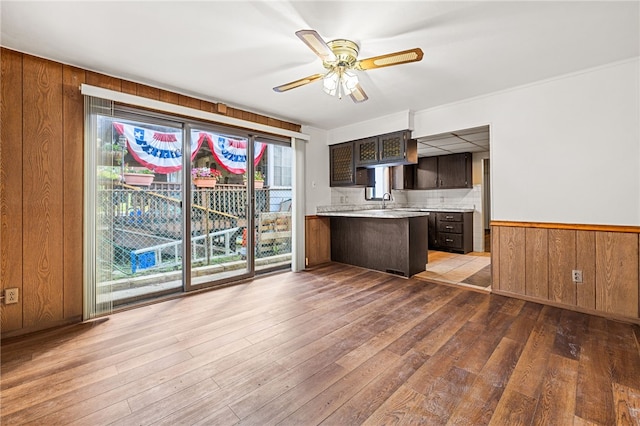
[[450, 217], [452, 241], [451, 227]]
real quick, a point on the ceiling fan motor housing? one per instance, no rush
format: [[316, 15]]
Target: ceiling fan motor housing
[[346, 52]]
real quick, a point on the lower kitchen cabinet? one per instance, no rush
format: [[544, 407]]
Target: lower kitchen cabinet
[[452, 231]]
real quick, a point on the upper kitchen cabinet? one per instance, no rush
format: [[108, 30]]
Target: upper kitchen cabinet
[[367, 152], [444, 172], [454, 171], [427, 173], [342, 168], [386, 150]]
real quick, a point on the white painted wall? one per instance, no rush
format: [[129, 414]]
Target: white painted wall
[[316, 169], [564, 150]]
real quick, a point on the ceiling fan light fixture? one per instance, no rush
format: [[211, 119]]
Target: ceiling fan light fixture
[[339, 82], [340, 59]]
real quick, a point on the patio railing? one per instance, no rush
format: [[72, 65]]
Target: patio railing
[[134, 221]]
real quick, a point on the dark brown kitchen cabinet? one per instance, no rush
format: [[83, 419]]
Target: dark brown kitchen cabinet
[[342, 168], [398, 147], [366, 152], [427, 173], [444, 172], [454, 171], [452, 231], [386, 150]]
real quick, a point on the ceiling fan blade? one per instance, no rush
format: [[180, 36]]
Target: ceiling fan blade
[[358, 95], [317, 44], [397, 58], [297, 83]]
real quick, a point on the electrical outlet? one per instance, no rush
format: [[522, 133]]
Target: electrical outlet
[[576, 276], [11, 295]]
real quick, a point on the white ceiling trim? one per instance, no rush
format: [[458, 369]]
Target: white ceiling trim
[[139, 101]]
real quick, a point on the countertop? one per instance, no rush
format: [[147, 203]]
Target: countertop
[[376, 213], [437, 209], [391, 210]]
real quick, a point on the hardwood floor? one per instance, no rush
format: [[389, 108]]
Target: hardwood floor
[[337, 345]]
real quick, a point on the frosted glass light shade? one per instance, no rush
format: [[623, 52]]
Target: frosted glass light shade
[[339, 82]]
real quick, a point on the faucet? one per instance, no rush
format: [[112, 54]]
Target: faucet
[[384, 198]]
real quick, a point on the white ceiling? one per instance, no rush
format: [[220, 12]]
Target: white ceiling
[[235, 52]]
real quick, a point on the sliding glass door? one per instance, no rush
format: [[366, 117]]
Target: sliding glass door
[[159, 222], [220, 208]]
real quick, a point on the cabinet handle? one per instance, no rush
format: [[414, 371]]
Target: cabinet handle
[[448, 240], [449, 217], [448, 227]]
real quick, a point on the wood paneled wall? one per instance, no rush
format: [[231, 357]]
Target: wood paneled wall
[[535, 262], [41, 183]]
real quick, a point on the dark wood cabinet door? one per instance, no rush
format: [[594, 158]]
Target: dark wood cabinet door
[[366, 151], [341, 164], [427, 173], [393, 146], [454, 171]]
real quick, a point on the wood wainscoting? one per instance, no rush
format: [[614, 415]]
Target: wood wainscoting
[[534, 261]]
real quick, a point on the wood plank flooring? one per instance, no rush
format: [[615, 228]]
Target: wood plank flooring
[[337, 345], [458, 269]]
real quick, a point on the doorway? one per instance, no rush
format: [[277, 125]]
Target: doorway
[[472, 269]]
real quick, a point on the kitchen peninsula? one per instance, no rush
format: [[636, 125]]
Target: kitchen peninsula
[[386, 240]]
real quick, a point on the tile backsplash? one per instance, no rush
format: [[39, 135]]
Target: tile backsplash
[[464, 198]]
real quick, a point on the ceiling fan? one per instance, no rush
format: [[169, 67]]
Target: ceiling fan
[[340, 58]]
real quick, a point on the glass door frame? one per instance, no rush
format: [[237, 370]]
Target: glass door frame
[[186, 202], [250, 206]]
